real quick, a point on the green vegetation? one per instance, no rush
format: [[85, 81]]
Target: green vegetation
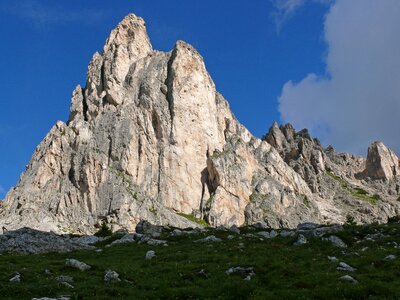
[[306, 201], [104, 230], [127, 183], [363, 195], [194, 219], [188, 270], [350, 220], [209, 200], [356, 192], [218, 154], [339, 179], [253, 197]]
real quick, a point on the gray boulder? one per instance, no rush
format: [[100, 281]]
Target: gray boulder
[[111, 276], [70, 262]]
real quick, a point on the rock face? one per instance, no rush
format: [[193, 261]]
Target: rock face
[[150, 138], [382, 163]]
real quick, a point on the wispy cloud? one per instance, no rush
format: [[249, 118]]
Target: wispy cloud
[[284, 10], [41, 15], [357, 102]]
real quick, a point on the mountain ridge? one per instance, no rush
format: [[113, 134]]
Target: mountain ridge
[[149, 137]]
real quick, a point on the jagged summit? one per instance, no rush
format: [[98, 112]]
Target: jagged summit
[[149, 137]]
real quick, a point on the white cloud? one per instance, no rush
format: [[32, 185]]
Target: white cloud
[[357, 101], [286, 9], [42, 15]]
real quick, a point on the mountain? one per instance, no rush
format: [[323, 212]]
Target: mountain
[[149, 137]]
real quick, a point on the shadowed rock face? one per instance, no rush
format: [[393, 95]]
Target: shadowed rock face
[[149, 137]]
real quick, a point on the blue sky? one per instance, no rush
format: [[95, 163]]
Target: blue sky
[[252, 49]]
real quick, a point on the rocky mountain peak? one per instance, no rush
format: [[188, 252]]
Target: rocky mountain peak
[[382, 163], [150, 138]]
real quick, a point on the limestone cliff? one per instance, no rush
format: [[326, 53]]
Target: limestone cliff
[[149, 137]]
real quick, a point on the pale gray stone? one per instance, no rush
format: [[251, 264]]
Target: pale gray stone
[[126, 239], [16, 278], [66, 284], [111, 276], [301, 240], [64, 278], [248, 272], [70, 262], [345, 267], [150, 255], [336, 241], [268, 235], [287, 233], [208, 239], [348, 278], [333, 258]]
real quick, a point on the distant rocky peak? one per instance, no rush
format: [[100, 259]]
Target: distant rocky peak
[[382, 163]]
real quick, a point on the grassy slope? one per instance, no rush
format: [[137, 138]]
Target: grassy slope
[[283, 271]]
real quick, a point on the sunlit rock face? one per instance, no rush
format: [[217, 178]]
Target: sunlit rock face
[[149, 137]]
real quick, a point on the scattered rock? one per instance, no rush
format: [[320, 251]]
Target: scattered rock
[[203, 273], [234, 229], [348, 278], [126, 239], [70, 262], [58, 298], [248, 272], [154, 242], [30, 241], [144, 239], [345, 267], [66, 284], [145, 227], [301, 240], [111, 276], [89, 239], [221, 228], [176, 232], [260, 225], [391, 257], [336, 241], [307, 226], [150, 254], [333, 258], [268, 235], [47, 272], [324, 230], [208, 239], [249, 235], [16, 278], [287, 233], [64, 278]]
